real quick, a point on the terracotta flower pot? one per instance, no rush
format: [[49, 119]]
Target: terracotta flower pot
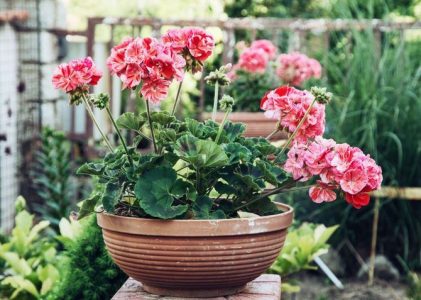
[[256, 123], [195, 258]]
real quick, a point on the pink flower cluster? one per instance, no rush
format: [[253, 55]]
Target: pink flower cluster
[[339, 166], [78, 73], [295, 68], [256, 58], [289, 105], [195, 41], [156, 63], [149, 61]]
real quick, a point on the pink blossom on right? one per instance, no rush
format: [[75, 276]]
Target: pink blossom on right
[[339, 167]]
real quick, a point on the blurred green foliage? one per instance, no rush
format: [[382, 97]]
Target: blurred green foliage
[[319, 9], [51, 177]]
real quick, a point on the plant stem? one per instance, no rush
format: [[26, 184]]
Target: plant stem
[[221, 126], [91, 114], [273, 132], [119, 135], [270, 193], [215, 101], [298, 127], [148, 111], [174, 108]]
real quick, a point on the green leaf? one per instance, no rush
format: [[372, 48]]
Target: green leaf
[[69, 228], [196, 128], [19, 265], [323, 233], [162, 118], [88, 206], [224, 189], [271, 173], [91, 169], [153, 190], [19, 283], [48, 276], [182, 188], [130, 121], [233, 130], [202, 209], [211, 155], [23, 221], [111, 196], [33, 234], [237, 152]]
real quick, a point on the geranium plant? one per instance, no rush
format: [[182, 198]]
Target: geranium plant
[[260, 68], [208, 170]]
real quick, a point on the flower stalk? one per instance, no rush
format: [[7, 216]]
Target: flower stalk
[[215, 101], [107, 108], [273, 132], [148, 111], [174, 108], [226, 103], [91, 114]]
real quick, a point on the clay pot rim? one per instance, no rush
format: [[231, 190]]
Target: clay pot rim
[[197, 228]]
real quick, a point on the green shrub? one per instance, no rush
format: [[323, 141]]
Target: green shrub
[[51, 176], [28, 261], [88, 272]]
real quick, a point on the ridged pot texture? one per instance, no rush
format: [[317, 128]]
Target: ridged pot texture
[[193, 258]]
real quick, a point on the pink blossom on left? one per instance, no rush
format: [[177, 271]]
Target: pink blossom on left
[[76, 74]]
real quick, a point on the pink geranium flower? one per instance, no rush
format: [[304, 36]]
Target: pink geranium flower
[[267, 46], [253, 61], [322, 192], [155, 89], [78, 73], [199, 43], [339, 167], [148, 61], [196, 41], [289, 105], [295, 68]]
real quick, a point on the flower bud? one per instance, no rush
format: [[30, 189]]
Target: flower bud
[[76, 96], [226, 103], [101, 100], [321, 95], [219, 76]]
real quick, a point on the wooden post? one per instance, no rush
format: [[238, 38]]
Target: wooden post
[[373, 241]]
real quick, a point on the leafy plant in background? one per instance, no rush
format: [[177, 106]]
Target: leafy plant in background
[[302, 245], [28, 262], [51, 177], [87, 272]]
